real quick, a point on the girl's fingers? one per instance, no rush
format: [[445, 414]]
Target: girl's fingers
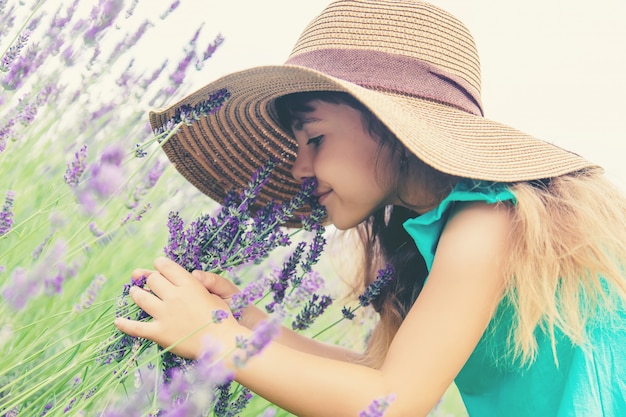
[[148, 302], [140, 272], [216, 284], [146, 330], [159, 285], [175, 273]]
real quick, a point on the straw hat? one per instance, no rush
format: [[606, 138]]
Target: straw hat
[[412, 64]]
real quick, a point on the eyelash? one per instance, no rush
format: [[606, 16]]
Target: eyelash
[[315, 141]]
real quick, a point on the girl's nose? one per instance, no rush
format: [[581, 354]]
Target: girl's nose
[[302, 166]]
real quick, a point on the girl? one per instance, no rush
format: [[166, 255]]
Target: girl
[[508, 251]]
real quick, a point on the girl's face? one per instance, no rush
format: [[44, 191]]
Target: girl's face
[[355, 176]]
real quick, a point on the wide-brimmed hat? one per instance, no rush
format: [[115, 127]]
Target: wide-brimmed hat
[[412, 64]]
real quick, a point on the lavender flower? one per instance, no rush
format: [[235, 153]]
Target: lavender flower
[[20, 289], [262, 335], [147, 183], [6, 132], [209, 51], [144, 84], [252, 292], [37, 251], [177, 77], [378, 407], [201, 377], [89, 296], [347, 313], [282, 282], [136, 215], [304, 288], [54, 279], [225, 407], [95, 230], [105, 180], [170, 9], [13, 51], [6, 215], [131, 9], [373, 290], [219, 315], [76, 167], [120, 344], [22, 67], [312, 310], [188, 114], [315, 250], [102, 16]]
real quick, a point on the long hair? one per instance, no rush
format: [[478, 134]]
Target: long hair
[[566, 260]]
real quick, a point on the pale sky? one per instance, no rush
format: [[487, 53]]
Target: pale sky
[[552, 68]]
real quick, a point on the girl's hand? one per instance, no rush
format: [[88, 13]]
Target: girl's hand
[[182, 310], [217, 285], [224, 288]]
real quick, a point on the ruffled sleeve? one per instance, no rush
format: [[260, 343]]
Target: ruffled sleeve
[[426, 229]]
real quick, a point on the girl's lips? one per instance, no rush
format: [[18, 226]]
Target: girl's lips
[[322, 197]]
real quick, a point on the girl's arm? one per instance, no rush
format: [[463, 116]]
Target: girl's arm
[[434, 341], [251, 316]]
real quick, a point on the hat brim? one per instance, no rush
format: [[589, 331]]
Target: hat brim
[[222, 151]]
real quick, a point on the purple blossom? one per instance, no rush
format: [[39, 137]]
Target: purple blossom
[[262, 335], [155, 74], [131, 9], [60, 22], [147, 183], [68, 55], [304, 288], [136, 214], [219, 315], [315, 250], [377, 408], [170, 9], [39, 249], [90, 294], [209, 51], [76, 167], [102, 111], [189, 114], [13, 52], [282, 282], [268, 412], [188, 392], [138, 34], [6, 215], [120, 345], [105, 180], [373, 290], [314, 308], [19, 289], [6, 132], [22, 67], [252, 292], [347, 313], [95, 230], [55, 276], [102, 16], [226, 406]]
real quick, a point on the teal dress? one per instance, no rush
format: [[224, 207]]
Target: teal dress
[[588, 382]]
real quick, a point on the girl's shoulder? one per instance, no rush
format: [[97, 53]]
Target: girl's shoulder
[[484, 204]]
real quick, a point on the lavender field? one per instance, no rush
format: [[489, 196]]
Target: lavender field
[[87, 196]]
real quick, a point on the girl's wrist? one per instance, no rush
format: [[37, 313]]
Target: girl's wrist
[[251, 316]]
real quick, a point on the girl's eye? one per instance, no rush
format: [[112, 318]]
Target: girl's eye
[[315, 141]]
